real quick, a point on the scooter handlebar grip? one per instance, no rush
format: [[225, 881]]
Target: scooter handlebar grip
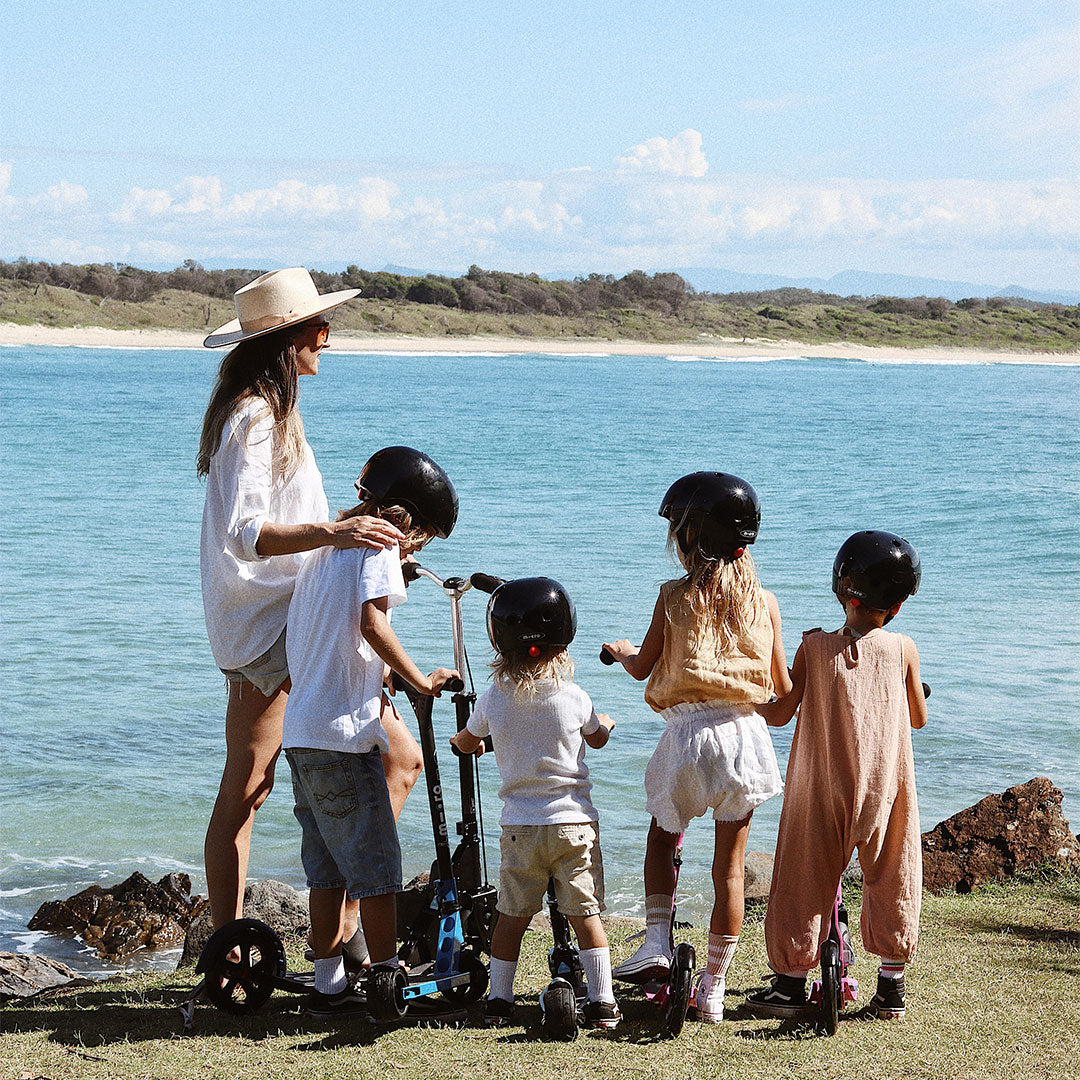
[[486, 582], [925, 690], [606, 657], [455, 686]]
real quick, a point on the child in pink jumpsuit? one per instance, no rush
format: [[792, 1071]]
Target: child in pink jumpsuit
[[850, 782]]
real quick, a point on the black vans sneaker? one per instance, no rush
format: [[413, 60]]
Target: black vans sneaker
[[600, 1014], [498, 1012], [345, 1003], [785, 998], [889, 1002]]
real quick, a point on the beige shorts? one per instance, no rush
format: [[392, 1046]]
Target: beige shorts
[[568, 853]]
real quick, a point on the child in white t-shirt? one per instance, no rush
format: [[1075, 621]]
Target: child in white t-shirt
[[338, 642], [540, 723]]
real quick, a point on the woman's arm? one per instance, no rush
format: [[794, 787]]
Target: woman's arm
[[778, 713], [371, 532], [379, 634], [915, 696], [640, 662], [781, 678]]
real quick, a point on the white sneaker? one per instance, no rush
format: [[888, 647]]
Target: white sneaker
[[707, 998], [645, 965]]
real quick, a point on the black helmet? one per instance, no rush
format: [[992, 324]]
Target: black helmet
[[880, 569], [529, 614], [402, 476], [725, 509]]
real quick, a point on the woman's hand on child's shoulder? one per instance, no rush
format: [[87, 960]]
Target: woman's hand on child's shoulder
[[370, 532]]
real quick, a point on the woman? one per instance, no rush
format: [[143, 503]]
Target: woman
[[265, 509]]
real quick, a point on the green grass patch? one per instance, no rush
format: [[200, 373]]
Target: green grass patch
[[995, 993]]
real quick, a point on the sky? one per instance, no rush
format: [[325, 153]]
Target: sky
[[937, 139]]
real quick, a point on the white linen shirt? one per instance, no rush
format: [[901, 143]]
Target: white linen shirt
[[337, 677], [245, 595], [539, 746]]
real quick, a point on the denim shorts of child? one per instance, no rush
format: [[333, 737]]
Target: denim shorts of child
[[350, 837], [266, 673]]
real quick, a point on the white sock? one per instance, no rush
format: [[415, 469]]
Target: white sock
[[330, 975], [597, 965], [891, 969], [658, 923], [721, 950], [502, 979]]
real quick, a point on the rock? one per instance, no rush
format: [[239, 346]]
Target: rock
[[23, 976], [758, 877], [278, 905], [135, 914], [992, 840]]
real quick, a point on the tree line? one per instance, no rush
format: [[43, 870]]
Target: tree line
[[480, 290]]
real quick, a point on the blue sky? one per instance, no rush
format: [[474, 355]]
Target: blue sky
[[935, 139]]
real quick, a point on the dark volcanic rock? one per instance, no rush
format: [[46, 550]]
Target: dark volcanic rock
[[992, 840], [135, 914], [24, 975], [278, 905]]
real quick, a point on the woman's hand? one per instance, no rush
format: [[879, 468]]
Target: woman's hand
[[437, 680], [621, 649], [370, 532]]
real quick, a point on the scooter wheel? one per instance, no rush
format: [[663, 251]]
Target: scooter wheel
[[386, 993], [830, 986], [680, 983], [240, 963], [477, 971], [558, 1006]]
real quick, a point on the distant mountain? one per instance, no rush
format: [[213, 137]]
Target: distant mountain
[[864, 283]]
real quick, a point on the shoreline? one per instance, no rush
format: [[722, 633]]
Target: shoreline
[[13, 334]]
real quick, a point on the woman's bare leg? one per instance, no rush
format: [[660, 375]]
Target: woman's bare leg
[[253, 742], [403, 762]]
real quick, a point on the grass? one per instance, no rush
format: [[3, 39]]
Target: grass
[[995, 993], [1051, 328]]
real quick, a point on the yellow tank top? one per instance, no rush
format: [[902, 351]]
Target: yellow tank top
[[691, 668]]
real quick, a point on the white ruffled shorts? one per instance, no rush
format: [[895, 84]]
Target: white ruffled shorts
[[712, 755]]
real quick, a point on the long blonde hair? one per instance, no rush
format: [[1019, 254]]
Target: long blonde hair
[[726, 597], [263, 367], [523, 672]]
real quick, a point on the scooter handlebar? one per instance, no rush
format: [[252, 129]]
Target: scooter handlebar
[[606, 657], [486, 582]]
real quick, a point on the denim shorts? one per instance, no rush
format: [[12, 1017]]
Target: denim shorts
[[350, 837], [267, 672]]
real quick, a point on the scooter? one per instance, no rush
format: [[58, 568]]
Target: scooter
[[243, 963]]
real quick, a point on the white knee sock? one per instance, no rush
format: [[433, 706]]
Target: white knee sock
[[330, 975], [597, 965], [502, 979], [891, 969], [721, 950], [658, 923]]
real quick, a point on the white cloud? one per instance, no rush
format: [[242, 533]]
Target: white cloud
[[5, 178], [680, 156]]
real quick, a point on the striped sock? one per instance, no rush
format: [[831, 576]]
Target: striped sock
[[658, 922], [891, 969], [721, 949]]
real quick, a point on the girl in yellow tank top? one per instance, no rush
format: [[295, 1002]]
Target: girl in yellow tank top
[[712, 653]]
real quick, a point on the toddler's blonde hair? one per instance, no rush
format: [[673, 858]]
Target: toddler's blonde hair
[[524, 672], [416, 536]]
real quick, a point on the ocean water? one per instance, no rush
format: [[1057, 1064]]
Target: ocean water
[[111, 733]]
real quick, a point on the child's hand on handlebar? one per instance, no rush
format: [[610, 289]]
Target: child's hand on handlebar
[[437, 680], [465, 742], [606, 722]]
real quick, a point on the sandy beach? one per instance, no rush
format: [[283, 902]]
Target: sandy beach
[[730, 348]]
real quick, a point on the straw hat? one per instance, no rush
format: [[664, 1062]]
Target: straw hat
[[275, 300]]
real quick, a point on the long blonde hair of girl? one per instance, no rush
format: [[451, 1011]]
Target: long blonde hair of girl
[[263, 367], [524, 672], [416, 535], [726, 597]]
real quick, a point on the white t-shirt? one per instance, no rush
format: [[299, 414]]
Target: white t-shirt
[[246, 596], [336, 676], [539, 746]]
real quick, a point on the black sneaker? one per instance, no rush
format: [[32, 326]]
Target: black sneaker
[[600, 1014], [498, 1012], [889, 1002], [345, 1003], [785, 998]]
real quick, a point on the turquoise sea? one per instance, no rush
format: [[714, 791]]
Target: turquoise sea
[[111, 739]]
